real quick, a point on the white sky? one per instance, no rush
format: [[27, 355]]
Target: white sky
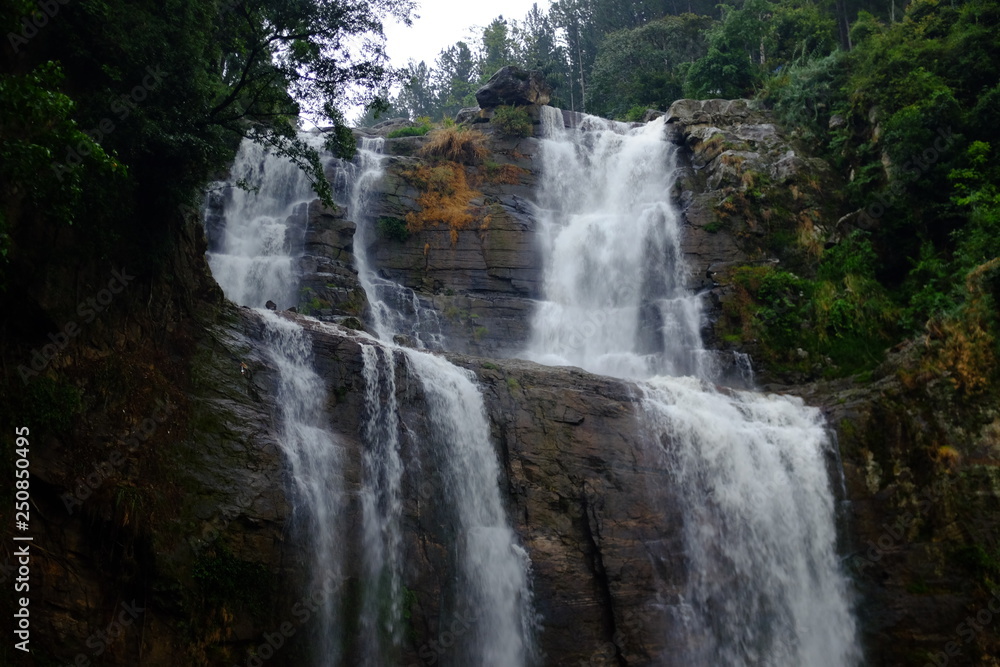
[[444, 22]]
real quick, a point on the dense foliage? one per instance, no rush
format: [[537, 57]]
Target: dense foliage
[[115, 112], [910, 115], [112, 110], [901, 98], [612, 57]]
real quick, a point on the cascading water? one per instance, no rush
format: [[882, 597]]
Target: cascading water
[[315, 461], [252, 265], [765, 583], [493, 593], [764, 586], [614, 279], [381, 501], [395, 309], [253, 261], [251, 257], [492, 597]]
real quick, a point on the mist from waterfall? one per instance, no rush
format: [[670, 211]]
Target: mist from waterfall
[[764, 585]]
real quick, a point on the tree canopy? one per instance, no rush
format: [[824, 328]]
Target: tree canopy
[[109, 106]]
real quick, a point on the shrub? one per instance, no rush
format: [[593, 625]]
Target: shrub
[[445, 198], [457, 144], [509, 174], [422, 127], [393, 229], [512, 121], [635, 114], [412, 131]]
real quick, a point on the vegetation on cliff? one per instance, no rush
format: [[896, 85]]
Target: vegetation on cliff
[[112, 110]]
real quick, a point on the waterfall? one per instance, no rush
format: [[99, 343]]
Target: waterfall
[[251, 255], [381, 501], [764, 586], [395, 309], [614, 277], [315, 461], [493, 598], [253, 262], [492, 602]]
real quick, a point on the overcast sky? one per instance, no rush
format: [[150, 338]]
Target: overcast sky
[[444, 22]]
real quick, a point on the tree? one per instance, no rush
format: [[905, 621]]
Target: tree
[[115, 113], [417, 97], [226, 69], [540, 50], [645, 67], [498, 48], [574, 19], [455, 79], [284, 57]]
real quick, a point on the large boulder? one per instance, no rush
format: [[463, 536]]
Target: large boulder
[[515, 86]]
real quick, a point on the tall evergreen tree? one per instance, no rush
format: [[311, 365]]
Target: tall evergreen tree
[[498, 48], [455, 78]]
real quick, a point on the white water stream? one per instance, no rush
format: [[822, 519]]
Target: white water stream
[[764, 583], [395, 309], [254, 264], [764, 587], [492, 599], [253, 261]]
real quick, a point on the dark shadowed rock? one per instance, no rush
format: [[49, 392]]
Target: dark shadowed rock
[[515, 86]]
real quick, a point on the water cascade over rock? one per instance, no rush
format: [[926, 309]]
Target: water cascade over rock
[[254, 264], [492, 582], [487, 582], [763, 583], [675, 522], [252, 245]]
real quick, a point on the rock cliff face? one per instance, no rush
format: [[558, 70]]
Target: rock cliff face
[[920, 462], [169, 488], [741, 183], [578, 481]]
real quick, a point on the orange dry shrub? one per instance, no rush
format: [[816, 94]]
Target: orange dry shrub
[[445, 198], [807, 234], [947, 456], [455, 144], [507, 174], [962, 347]]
